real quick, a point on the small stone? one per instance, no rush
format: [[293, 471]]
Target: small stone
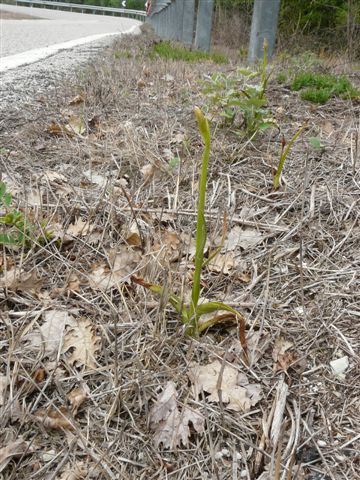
[[339, 366], [321, 443]]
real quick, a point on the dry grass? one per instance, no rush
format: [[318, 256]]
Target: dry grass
[[300, 283]]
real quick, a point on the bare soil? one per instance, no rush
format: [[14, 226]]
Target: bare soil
[[109, 164]]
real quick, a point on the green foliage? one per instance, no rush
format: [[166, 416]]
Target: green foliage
[[316, 95], [281, 77], [190, 315], [122, 54], [18, 231], [240, 93], [315, 142], [285, 150], [170, 51], [319, 88], [312, 16]]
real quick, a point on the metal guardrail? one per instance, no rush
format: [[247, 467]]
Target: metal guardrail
[[138, 14]]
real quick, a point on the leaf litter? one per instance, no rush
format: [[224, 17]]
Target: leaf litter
[[171, 425], [225, 384], [122, 346]]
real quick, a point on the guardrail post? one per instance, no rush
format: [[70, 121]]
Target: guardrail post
[[263, 26], [188, 21], [204, 24]]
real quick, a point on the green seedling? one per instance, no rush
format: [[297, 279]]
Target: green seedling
[[285, 149], [18, 231], [191, 314], [315, 142]]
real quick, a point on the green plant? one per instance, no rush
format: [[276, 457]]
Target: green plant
[[281, 77], [229, 94], [122, 54], [319, 87], [190, 315], [285, 149], [18, 231], [170, 51]]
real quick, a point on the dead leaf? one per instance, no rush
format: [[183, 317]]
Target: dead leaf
[[147, 171], [3, 386], [76, 398], [178, 138], [17, 448], [96, 178], [76, 125], [123, 264], [57, 129], [81, 343], [168, 78], [140, 83], [282, 358], [34, 197], [39, 375], [328, 128], [244, 238], [75, 472], [51, 333], [222, 262], [133, 236], [80, 228], [168, 247], [76, 100], [55, 176], [236, 391], [55, 419], [14, 280], [171, 426], [73, 283]]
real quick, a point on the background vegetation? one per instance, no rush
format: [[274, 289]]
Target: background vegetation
[[315, 24]]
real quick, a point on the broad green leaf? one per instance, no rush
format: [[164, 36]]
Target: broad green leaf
[[9, 239]]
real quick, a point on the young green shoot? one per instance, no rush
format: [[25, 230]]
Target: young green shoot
[[285, 149], [191, 314]]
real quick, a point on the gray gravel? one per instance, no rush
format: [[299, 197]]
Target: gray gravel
[[21, 89]]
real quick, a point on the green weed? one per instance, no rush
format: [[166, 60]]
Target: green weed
[[319, 88], [281, 77], [285, 149], [190, 315], [170, 51], [123, 54], [18, 231], [240, 93]]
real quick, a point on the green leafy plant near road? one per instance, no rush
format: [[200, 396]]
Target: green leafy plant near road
[[190, 315], [319, 88], [230, 95], [16, 229], [170, 51]]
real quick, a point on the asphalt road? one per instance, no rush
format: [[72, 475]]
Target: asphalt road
[[50, 28]]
